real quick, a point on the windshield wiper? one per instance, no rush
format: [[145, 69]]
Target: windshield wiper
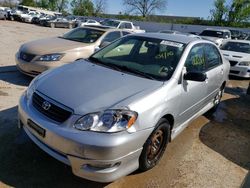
[[127, 69], [121, 68]]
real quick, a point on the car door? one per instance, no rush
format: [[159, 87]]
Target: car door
[[193, 93], [214, 71]]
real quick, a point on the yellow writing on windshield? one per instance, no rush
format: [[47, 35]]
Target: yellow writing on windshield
[[164, 55]]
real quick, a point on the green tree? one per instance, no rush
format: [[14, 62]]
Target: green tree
[[219, 12], [43, 4], [100, 7], [82, 7], [62, 5], [28, 3], [239, 11], [145, 7]]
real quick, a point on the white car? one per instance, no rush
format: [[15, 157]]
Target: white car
[[218, 36], [28, 17], [3, 14], [88, 22], [238, 54]]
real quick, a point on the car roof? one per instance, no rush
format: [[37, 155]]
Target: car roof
[[170, 37], [103, 28]]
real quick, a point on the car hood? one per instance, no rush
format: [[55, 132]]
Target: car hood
[[235, 55], [50, 45], [86, 87]]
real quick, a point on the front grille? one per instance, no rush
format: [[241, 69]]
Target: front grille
[[26, 57], [233, 63], [234, 72], [54, 112]]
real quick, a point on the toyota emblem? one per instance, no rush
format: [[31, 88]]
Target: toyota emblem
[[46, 105]]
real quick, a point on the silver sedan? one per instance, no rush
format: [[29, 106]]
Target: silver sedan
[[116, 111]]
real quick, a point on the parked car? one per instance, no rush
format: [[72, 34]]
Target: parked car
[[238, 54], [10, 14], [170, 32], [120, 24], [87, 22], [218, 36], [236, 34], [37, 56], [44, 21], [116, 111], [62, 22], [180, 33], [30, 16], [3, 15]]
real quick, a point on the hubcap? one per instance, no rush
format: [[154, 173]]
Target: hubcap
[[155, 146], [218, 97]]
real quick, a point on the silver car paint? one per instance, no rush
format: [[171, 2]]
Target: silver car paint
[[86, 88]]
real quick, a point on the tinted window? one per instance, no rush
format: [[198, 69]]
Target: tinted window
[[196, 61], [155, 58], [128, 26], [112, 36], [213, 57], [212, 33], [125, 33], [236, 47]]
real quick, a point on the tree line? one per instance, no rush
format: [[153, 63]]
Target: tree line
[[234, 13], [224, 12]]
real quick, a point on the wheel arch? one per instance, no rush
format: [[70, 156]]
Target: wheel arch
[[170, 119]]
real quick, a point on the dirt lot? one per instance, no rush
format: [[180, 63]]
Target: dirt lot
[[211, 152]]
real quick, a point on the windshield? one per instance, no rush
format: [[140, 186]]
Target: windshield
[[236, 47], [111, 23], [211, 33], [146, 57], [85, 35]]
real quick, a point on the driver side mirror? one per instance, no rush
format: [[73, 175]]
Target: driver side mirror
[[195, 76]]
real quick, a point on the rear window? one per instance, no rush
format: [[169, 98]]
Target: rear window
[[212, 33], [85, 35]]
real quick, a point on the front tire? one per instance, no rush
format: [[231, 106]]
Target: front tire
[[155, 145]]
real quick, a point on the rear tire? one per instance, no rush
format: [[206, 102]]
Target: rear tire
[[155, 145]]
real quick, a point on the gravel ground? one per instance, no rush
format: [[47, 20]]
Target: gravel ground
[[211, 152]]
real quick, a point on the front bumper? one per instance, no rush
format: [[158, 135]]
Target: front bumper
[[33, 68], [95, 156], [241, 71]]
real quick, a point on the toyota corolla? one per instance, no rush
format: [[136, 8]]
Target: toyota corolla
[[116, 111]]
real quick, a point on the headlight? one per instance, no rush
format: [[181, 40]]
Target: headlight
[[50, 57], [244, 63], [107, 121], [31, 89]]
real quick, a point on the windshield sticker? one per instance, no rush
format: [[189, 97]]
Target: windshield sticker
[[169, 43]]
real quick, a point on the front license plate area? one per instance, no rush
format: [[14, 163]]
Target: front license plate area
[[39, 130]]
